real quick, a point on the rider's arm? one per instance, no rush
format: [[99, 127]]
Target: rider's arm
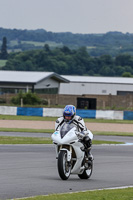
[[82, 126], [58, 123], [88, 133], [80, 122]]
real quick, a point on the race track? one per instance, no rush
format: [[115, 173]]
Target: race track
[[29, 170]]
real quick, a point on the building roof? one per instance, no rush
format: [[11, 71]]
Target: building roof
[[29, 76], [96, 79]]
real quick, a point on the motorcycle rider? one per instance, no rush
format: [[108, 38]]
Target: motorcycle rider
[[69, 116]]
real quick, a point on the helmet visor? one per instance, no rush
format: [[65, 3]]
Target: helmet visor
[[67, 114]]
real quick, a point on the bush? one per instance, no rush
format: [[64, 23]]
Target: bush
[[2, 100], [28, 98], [44, 101]]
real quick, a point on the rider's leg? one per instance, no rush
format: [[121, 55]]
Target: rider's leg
[[90, 156], [88, 143]]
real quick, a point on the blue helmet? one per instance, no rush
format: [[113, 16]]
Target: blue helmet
[[69, 111]]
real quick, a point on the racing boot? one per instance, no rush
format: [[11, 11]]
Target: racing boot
[[89, 144], [90, 156]]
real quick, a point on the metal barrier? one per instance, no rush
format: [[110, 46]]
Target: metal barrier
[[57, 112]]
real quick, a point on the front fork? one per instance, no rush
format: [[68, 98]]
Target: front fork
[[69, 152]]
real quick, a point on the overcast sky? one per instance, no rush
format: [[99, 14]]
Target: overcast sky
[[76, 16]]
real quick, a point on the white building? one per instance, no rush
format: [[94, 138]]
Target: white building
[[88, 85], [52, 83], [41, 82]]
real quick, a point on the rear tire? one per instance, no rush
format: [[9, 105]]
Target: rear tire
[[87, 172], [64, 168]]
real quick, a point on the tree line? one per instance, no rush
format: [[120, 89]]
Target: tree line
[[41, 35], [67, 61], [112, 43]]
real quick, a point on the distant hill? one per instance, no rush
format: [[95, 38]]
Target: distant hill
[[112, 43]]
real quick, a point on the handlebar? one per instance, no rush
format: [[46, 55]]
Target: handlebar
[[80, 135]]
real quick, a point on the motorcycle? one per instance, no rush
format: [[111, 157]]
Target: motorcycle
[[71, 153]]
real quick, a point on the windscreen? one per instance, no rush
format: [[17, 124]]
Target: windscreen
[[66, 127]]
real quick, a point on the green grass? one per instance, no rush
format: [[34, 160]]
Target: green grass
[[28, 130], [52, 130], [33, 118], [109, 121], [2, 63], [13, 43], [91, 47], [36, 118], [105, 142], [34, 43], [39, 140], [24, 140], [112, 133], [118, 194], [41, 44]]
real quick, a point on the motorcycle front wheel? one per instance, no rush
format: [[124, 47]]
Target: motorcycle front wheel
[[87, 172], [64, 167]]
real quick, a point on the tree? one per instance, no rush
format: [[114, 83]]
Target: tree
[[4, 53], [127, 74], [123, 59], [47, 48]]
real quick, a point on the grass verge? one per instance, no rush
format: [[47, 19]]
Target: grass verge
[[36, 118], [52, 130], [121, 194], [113, 133], [2, 63], [105, 142], [26, 130], [40, 140], [24, 140], [32, 118]]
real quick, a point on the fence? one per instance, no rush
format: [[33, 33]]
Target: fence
[[57, 112]]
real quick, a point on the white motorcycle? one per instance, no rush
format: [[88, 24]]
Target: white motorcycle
[[71, 153]]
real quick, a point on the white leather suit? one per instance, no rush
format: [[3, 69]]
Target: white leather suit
[[78, 122]]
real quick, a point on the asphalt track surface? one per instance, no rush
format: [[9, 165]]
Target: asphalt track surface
[[30, 170]]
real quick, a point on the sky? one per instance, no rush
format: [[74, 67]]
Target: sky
[[76, 16]]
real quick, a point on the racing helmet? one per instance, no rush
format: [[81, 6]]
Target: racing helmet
[[69, 111]]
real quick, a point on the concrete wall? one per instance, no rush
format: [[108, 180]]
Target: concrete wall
[[103, 101]]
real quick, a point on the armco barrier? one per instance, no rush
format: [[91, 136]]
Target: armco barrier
[[128, 115], [7, 110], [86, 113], [52, 112], [57, 112], [109, 114], [30, 111]]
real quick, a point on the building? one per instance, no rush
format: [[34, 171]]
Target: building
[[93, 85], [40, 82], [99, 92], [85, 92]]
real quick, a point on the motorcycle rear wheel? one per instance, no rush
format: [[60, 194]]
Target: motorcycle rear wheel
[[64, 167], [87, 172]]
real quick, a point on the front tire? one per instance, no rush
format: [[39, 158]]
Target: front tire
[[64, 167], [87, 172]]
